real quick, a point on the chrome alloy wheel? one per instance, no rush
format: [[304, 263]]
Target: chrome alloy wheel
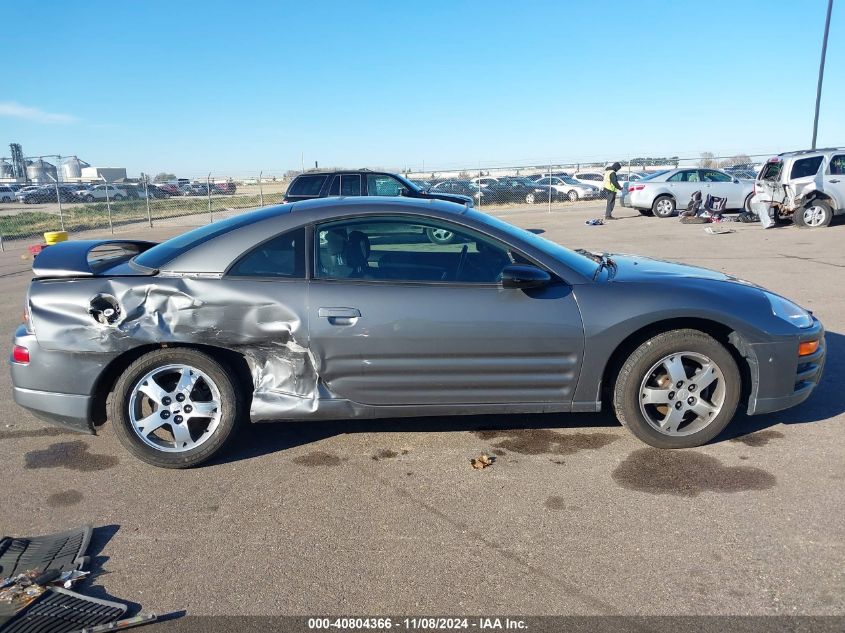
[[175, 408], [682, 393], [814, 215], [442, 235]]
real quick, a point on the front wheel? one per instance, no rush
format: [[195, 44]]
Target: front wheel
[[573, 196], [816, 214], [175, 408], [664, 207], [747, 204], [89, 198], [679, 389]]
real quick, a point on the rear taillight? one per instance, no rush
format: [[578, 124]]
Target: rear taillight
[[20, 354], [635, 187]]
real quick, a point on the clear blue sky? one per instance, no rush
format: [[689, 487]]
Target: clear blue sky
[[191, 87]]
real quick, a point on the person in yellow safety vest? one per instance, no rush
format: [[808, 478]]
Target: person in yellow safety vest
[[611, 187]]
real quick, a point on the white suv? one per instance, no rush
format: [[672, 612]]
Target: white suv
[[7, 194], [98, 192], [808, 185]]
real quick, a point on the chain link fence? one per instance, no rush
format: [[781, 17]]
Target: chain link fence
[[28, 210]]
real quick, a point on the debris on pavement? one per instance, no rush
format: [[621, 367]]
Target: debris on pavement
[[36, 574], [718, 230], [594, 222], [482, 461]]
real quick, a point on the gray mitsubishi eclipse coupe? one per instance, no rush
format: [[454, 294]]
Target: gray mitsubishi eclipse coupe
[[342, 308]]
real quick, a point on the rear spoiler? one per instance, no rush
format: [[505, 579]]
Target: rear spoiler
[[86, 258]]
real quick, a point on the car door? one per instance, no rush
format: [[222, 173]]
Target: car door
[[395, 319], [834, 179], [722, 186], [684, 184]]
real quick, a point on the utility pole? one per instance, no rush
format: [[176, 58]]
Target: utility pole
[[821, 72]]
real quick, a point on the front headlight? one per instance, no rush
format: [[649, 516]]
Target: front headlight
[[788, 311]]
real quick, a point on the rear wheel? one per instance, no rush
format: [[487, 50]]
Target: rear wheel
[[747, 204], [664, 207], [530, 198], [817, 214], [439, 236], [89, 198], [679, 389], [175, 408]]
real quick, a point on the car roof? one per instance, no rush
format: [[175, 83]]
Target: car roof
[[330, 172], [812, 151], [214, 255]]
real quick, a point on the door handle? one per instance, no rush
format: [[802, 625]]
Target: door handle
[[837, 180], [340, 316], [338, 312]]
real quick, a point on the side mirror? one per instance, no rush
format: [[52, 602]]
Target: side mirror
[[736, 181], [524, 276]]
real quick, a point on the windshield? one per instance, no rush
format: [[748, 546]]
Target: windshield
[[577, 262], [408, 183]]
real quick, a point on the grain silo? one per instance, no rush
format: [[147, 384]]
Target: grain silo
[[41, 172], [72, 168]]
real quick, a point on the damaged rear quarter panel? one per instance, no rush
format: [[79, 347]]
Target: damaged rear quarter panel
[[262, 320]]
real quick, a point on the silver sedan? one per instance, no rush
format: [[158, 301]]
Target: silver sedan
[[664, 193]]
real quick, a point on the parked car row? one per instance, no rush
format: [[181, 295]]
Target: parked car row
[[74, 192]]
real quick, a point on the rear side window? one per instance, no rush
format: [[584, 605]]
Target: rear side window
[[307, 185], [837, 165], [806, 167], [282, 256]]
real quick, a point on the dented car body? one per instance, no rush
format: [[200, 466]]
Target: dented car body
[[341, 308], [807, 186]]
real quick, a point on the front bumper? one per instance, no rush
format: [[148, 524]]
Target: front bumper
[[784, 379]]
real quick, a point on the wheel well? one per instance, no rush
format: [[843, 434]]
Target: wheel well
[[718, 331], [112, 372], [818, 195]]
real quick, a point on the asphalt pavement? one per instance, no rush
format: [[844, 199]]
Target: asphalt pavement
[[575, 516]]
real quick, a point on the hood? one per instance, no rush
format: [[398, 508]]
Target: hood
[[448, 197], [636, 268]]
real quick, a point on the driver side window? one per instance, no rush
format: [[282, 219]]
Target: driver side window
[[405, 249]]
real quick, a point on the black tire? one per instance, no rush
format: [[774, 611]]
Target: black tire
[[746, 206], [572, 195], [117, 199], [230, 407], [530, 198], [663, 206], [815, 215], [439, 236], [89, 198], [646, 212], [627, 394]]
